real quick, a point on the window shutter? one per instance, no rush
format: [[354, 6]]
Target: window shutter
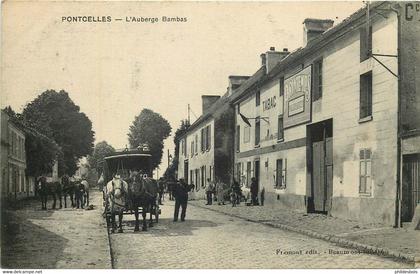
[[284, 173]]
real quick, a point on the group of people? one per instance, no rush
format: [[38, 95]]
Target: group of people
[[219, 190]]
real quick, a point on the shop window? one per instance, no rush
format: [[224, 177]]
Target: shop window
[[365, 43], [365, 184], [317, 80], [280, 129], [366, 95]]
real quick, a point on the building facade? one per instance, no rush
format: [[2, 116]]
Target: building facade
[[14, 183], [206, 149], [322, 128]]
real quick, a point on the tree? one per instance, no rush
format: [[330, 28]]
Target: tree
[[101, 150], [41, 151], [55, 115], [173, 167], [151, 128]]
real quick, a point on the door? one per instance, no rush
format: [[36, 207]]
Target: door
[[318, 175], [320, 155], [410, 186], [257, 173]]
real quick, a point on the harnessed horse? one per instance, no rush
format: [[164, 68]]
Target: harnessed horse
[[68, 189], [45, 188], [117, 194], [143, 193]]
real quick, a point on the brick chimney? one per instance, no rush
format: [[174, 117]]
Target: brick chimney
[[314, 27], [208, 101], [272, 57], [234, 82]]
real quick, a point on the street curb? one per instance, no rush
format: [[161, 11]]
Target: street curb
[[368, 249]]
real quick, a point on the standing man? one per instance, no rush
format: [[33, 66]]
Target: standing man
[[220, 189], [181, 198], [254, 191], [209, 191]]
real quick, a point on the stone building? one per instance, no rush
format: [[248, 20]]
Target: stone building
[[14, 183], [333, 126], [206, 149]]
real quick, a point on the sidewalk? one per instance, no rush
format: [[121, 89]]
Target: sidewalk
[[386, 241], [61, 238]]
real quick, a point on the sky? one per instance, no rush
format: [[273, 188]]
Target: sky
[[113, 70]]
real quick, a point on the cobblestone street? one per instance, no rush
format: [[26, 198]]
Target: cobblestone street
[[209, 239], [61, 238]]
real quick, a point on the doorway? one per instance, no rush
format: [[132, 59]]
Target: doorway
[[410, 186], [320, 166], [257, 173]]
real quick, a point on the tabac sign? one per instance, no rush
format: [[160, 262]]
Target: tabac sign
[[297, 98]]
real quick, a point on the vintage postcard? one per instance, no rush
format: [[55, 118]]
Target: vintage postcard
[[210, 135]]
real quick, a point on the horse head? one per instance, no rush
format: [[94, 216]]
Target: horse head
[[137, 184], [118, 187]]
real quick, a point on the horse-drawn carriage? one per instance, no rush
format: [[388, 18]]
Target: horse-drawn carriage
[[129, 187]]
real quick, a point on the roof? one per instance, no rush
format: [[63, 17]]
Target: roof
[[225, 99], [259, 78]]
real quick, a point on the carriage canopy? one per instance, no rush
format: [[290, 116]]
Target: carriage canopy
[[125, 161]]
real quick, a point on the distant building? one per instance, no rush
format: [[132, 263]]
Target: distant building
[[14, 183], [206, 149], [330, 127]]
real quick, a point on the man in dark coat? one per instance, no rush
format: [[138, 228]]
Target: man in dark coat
[[254, 191], [181, 198]]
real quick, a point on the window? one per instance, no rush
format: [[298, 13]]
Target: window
[[281, 86], [208, 132], [280, 174], [197, 179], [192, 148], [365, 43], [238, 138], [366, 95], [191, 177], [317, 82], [203, 176], [182, 147], [247, 134], [211, 173], [365, 186], [257, 131], [257, 98], [248, 174], [203, 133], [280, 129], [196, 144]]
